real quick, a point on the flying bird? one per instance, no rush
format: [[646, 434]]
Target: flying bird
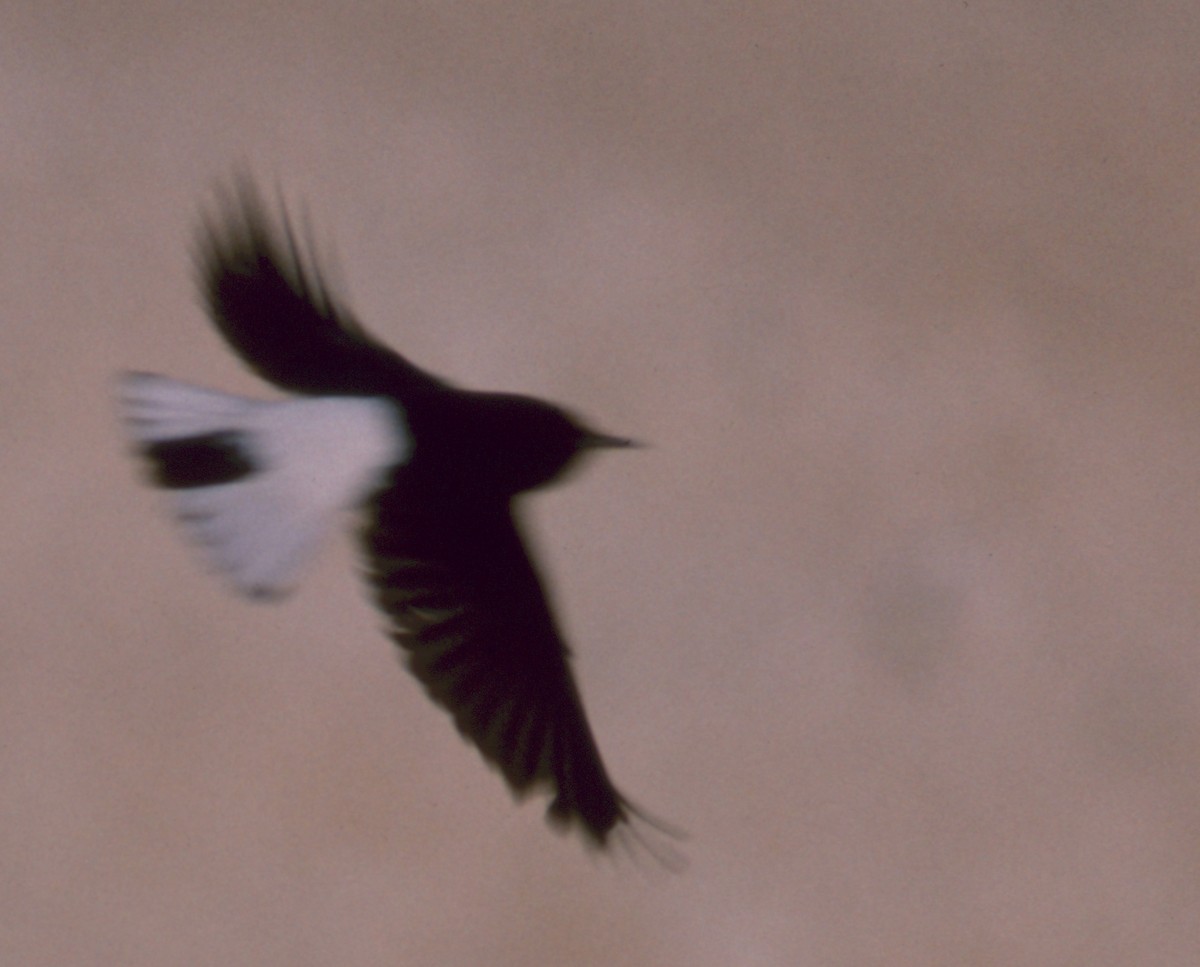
[[435, 475]]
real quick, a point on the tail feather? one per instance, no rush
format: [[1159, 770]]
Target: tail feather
[[255, 483], [158, 408]]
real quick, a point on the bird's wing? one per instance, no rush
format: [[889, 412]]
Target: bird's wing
[[470, 614], [270, 302]]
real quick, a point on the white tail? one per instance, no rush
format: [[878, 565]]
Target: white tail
[[307, 459]]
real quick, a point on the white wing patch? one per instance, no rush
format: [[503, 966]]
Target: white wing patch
[[311, 458]]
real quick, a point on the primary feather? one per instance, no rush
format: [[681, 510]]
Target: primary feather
[[276, 312]]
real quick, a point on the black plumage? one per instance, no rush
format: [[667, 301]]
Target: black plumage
[[441, 530], [204, 460]]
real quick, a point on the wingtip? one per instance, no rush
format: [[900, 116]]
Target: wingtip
[[635, 833]]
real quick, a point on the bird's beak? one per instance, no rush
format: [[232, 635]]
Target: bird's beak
[[591, 439]]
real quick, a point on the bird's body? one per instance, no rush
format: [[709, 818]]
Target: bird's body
[[434, 472]]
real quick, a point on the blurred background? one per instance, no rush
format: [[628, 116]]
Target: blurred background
[[897, 617]]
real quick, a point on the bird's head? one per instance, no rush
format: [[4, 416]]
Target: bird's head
[[531, 443]]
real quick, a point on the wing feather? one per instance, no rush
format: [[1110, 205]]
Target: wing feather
[[272, 305], [470, 614]]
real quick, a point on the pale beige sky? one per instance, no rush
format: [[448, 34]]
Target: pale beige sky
[[898, 617]]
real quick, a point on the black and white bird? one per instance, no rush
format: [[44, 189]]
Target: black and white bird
[[434, 473]]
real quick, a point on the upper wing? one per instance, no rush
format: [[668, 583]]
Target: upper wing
[[469, 611], [271, 304]]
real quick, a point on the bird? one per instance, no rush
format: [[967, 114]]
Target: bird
[[435, 476]]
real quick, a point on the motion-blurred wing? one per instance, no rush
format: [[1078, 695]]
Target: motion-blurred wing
[[469, 611], [271, 304]]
